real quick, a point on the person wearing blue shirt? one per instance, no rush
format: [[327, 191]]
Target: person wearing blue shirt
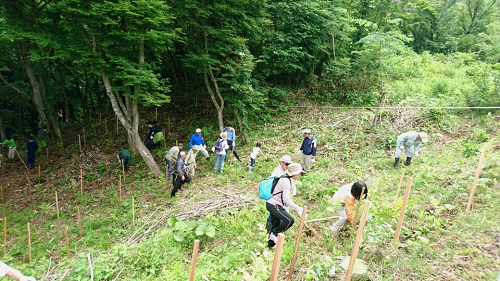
[[308, 148], [231, 139], [198, 143]]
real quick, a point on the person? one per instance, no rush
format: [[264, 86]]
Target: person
[[343, 201], [13, 273], [220, 151], [9, 141], [124, 157], [191, 161], [231, 139], [308, 148], [150, 136], [255, 152], [282, 167], [180, 177], [61, 116], [158, 136], [281, 220], [409, 141], [197, 140], [171, 157], [32, 147]]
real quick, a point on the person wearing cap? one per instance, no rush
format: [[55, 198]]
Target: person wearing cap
[[281, 220], [123, 158], [409, 141], [180, 177], [282, 167], [13, 273], [308, 148], [197, 140], [220, 151], [171, 157], [231, 139], [343, 201]]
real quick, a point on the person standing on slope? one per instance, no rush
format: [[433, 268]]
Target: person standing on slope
[[172, 156], [308, 148], [32, 147], [282, 167], [220, 151], [197, 140], [180, 176], [409, 141], [231, 139], [9, 141]]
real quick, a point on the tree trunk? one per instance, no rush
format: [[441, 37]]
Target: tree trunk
[[240, 125], [3, 136]]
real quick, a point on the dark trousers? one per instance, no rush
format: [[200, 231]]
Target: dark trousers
[[252, 162], [169, 165], [178, 182], [150, 145], [231, 147], [281, 220], [125, 162]]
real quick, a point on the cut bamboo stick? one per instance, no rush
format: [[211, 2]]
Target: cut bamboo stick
[[359, 236], [29, 243], [476, 178], [297, 242], [79, 142], [47, 156], [84, 141], [402, 214], [79, 221], [81, 181], [57, 206], [91, 267], [66, 273], [133, 212], [166, 179], [194, 259], [4, 236], [39, 174], [106, 125], [322, 219], [67, 241], [120, 188], [400, 184], [357, 208], [1, 192], [277, 257]]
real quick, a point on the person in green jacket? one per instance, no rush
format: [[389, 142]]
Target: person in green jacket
[[123, 158], [9, 141]]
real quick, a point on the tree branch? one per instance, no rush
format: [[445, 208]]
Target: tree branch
[[15, 88]]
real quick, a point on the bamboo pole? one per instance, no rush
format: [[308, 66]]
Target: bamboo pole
[[403, 208], [297, 242], [29, 242], [166, 179], [84, 139], [4, 236], [359, 236], [169, 125], [165, 138], [357, 208], [400, 184], [91, 268], [81, 181], [322, 219], [156, 113], [66, 273], [194, 259], [47, 156], [67, 241], [120, 187], [39, 174], [106, 125], [57, 206], [123, 169], [80, 142], [79, 221], [133, 212], [277, 257], [1, 192], [476, 178]]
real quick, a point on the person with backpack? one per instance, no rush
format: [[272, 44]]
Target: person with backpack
[[172, 156], [308, 148], [220, 151], [32, 147], [255, 152], [9, 141], [231, 139], [280, 199], [409, 141], [343, 202], [197, 140], [179, 177], [282, 167]]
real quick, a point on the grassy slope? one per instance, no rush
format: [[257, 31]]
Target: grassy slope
[[460, 246]]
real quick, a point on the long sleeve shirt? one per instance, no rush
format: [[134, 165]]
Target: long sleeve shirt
[[409, 141], [196, 140], [231, 134], [282, 191], [343, 197], [180, 166], [309, 146], [172, 154], [32, 146], [10, 143], [278, 172]]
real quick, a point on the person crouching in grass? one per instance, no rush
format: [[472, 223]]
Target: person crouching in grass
[[343, 202]]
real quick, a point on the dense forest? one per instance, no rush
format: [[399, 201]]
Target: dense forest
[[243, 57]]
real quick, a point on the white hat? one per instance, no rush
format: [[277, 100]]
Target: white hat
[[286, 159], [294, 169], [183, 153], [198, 130], [306, 131], [423, 136]]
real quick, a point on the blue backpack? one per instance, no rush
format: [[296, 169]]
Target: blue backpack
[[266, 187]]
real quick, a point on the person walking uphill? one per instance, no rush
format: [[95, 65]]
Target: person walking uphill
[[32, 147], [282, 167], [9, 141], [197, 140], [180, 176], [308, 148], [172, 156], [409, 141], [281, 220], [231, 139], [220, 151], [124, 157], [343, 201], [255, 152]]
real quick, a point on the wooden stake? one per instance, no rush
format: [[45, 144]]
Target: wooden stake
[[80, 143], [169, 125], [57, 206], [39, 174], [295, 250], [117, 125], [156, 113], [47, 156], [1, 193], [194, 259], [84, 142], [48, 183], [277, 257], [357, 208], [29, 242], [166, 179], [67, 241], [323, 219], [165, 138], [400, 184], [120, 187], [79, 221], [81, 181], [123, 169], [4, 236], [476, 178], [106, 125], [359, 236], [403, 208], [133, 212]]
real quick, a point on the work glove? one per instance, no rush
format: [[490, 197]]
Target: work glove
[[415, 154], [151, 137], [119, 161], [27, 278], [313, 160], [205, 146], [300, 213], [402, 147]]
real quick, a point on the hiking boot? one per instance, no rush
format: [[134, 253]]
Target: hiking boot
[[408, 161], [396, 163], [270, 243]]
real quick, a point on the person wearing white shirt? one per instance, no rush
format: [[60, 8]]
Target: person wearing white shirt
[[255, 152], [282, 167]]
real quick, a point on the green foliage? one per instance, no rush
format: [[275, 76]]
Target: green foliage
[[188, 230]]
